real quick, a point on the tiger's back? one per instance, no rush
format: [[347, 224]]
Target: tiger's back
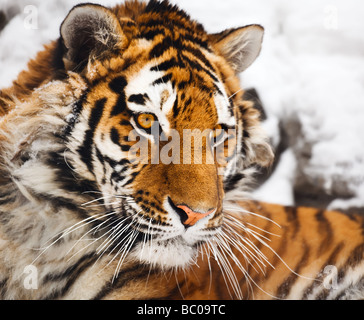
[[95, 225]]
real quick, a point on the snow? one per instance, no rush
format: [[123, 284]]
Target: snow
[[278, 188], [310, 78]]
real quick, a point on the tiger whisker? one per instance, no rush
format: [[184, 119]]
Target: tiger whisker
[[93, 230], [228, 209], [105, 245], [210, 268], [249, 280], [115, 232], [123, 245], [221, 264], [225, 254], [150, 253], [69, 230], [145, 237], [247, 241], [221, 248], [115, 255], [115, 237], [125, 252], [177, 282], [260, 229], [246, 253], [261, 239], [231, 225], [107, 197], [236, 92], [66, 161]]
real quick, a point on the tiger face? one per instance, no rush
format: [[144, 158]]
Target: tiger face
[[161, 131]]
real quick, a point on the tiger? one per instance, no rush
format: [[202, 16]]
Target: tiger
[[87, 213]]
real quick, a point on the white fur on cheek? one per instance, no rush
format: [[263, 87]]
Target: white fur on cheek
[[222, 107]]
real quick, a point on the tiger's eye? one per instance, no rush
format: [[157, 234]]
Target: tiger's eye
[[145, 120]]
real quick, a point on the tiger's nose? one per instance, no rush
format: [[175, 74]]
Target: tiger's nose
[[193, 216], [188, 216]]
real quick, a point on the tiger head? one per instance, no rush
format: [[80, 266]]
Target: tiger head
[[161, 131]]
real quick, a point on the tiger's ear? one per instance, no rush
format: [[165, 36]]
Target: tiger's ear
[[89, 31], [240, 46]]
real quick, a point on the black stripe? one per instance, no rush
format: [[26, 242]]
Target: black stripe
[[77, 108], [231, 181], [160, 23], [120, 105], [198, 40], [118, 84], [115, 176], [197, 66], [162, 47], [330, 261], [139, 98], [182, 85], [152, 33], [58, 202], [85, 150], [167, 43], [124, 278], [186, 104], [166, 78], [102, 158], [125, 147], [169, 18], [199, 55], [284, 289], [67, 182], [66, 174], [109, 286], [115, 136], [175, 108], [129, 181], [6, 200], [292, 218], [166, 65], [356, 289], [324, 227], [356, 256], [56, 277], [3, 287], [71, 274]]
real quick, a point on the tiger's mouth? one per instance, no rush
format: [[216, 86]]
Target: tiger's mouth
[[163, 244], [169, 247]]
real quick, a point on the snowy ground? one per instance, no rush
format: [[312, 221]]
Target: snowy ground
[[310, 78]]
